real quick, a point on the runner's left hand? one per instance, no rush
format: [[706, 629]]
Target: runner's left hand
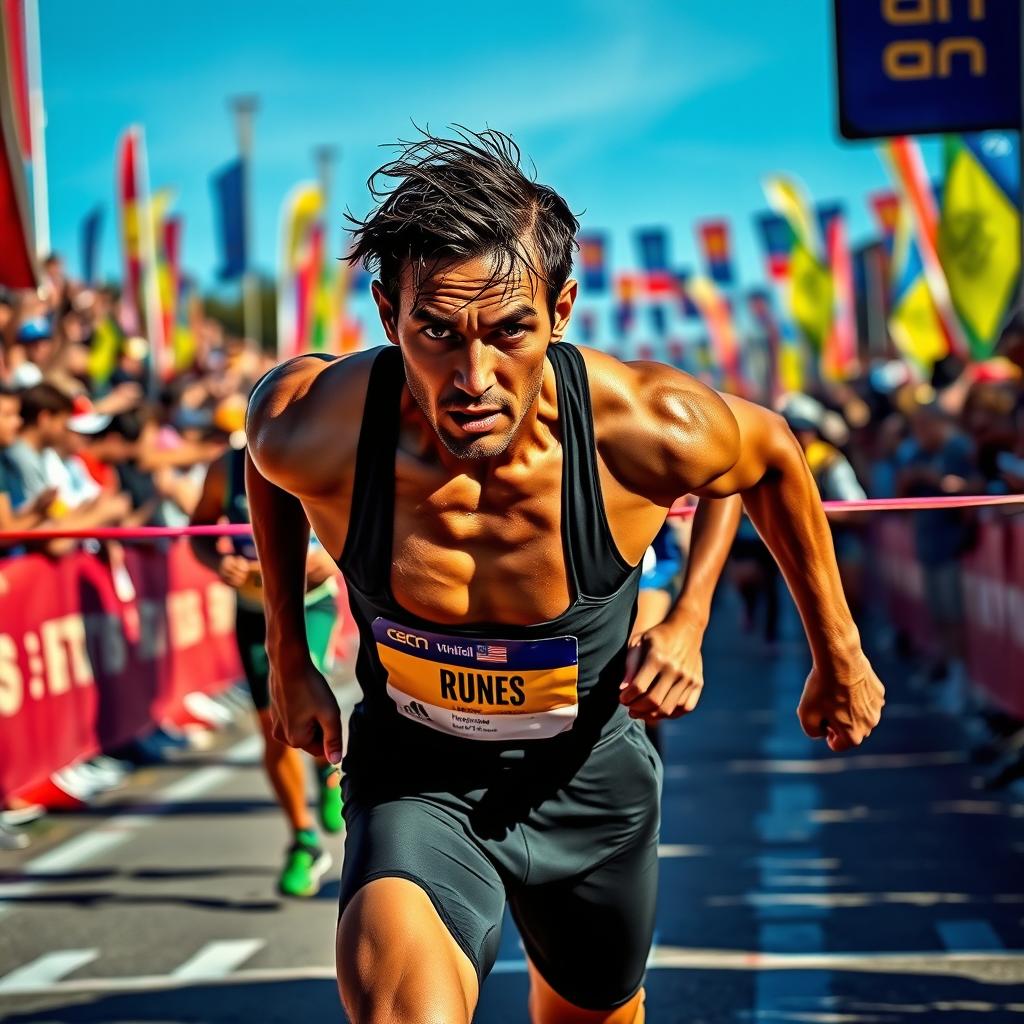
[[664, 672]]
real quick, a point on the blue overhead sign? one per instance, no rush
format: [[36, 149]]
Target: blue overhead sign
[[913, 67]]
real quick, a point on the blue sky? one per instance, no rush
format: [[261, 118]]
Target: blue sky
[[652, 112]]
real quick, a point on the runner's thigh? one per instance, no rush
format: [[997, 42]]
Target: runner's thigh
[[414, 838]]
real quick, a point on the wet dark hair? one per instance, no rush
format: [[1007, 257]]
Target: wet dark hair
[[461, 198]]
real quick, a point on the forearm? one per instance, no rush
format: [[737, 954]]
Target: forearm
[[714, 526], [281, 532]]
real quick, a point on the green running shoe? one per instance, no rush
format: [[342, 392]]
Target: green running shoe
[[304, 866], [331, 819]]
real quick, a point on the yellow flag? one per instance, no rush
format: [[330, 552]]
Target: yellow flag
[[810, 295], [914, 321], [979, 243]]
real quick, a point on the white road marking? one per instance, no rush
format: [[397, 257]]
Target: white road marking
[[848, 763], [991, 968], [681, 850], [217, 959], [121, 827], [45, 970], [969, 936]]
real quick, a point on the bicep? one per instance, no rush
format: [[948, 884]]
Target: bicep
[[762, 442]]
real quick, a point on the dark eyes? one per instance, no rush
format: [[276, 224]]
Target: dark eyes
[[508, 331]]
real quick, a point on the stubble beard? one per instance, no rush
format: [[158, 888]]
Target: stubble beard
[[487, 447]]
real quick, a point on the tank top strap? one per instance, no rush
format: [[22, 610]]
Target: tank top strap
[[596, 563], [366, 557]]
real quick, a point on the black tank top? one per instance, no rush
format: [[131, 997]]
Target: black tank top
[[602, 585]]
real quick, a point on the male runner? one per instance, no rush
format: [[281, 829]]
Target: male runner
[[489, 492], [223, 497]]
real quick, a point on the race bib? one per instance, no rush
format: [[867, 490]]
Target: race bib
[[480, 689]]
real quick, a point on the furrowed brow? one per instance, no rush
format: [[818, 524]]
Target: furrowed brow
[[517, 313], [429, 316]]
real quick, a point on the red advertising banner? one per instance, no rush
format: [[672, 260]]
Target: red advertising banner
[[992, 576], [81, 671]]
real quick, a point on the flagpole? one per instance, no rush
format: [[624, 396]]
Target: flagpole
[[245, 107], [37, 130]]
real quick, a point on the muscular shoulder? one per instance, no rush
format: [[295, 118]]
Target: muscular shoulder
[[660, 432], [304, 417]]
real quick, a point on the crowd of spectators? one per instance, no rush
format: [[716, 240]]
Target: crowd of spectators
[[85, 444]]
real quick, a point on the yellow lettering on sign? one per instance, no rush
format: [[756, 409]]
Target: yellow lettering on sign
[[927, 12], [907, 12], [972, 48], [909, 59]]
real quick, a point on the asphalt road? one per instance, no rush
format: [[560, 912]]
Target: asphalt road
[[796, 885]]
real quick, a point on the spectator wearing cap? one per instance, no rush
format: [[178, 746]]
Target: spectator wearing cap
[[820, 433], [36, 339]]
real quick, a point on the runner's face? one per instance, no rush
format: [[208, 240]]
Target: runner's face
[[474, 353]]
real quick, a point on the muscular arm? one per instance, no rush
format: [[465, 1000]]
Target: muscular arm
[[296, 451], [681, 437], [782, 500], [714, 528]]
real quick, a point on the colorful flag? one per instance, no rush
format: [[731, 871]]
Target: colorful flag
[[903, 157], [839, 359], [300, 225], [716, 248], [624, 318], [17, 242], [91, 228], [659, 319], [718, 319], [587, 322], [129, 216], [777, 239], [809, 283], [914, 321], [886, 208], [686, 307], [104, 350], [653, 246], [979, 233], [593, 265], [228, 186]]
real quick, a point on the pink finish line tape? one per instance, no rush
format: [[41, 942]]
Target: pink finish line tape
[[144, 533]]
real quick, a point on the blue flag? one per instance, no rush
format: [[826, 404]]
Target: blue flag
[[91, 245], [653, 245], [228, 186]]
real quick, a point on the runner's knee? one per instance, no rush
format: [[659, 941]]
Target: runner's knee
[[397, 963]]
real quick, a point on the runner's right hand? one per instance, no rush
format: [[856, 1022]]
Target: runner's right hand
[[304, 712], [234, 570]]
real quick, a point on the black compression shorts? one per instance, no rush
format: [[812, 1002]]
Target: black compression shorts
[[575, 857]]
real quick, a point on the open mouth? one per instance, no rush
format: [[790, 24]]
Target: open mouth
[[477, 421]]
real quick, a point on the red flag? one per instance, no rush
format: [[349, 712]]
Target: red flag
[[131, 227], [17, 265], [886, 208], [840, 355]]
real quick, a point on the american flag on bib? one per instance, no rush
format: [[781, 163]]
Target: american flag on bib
[[496, 654]]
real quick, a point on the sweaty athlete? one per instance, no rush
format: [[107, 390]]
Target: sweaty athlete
[[489, 491]]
